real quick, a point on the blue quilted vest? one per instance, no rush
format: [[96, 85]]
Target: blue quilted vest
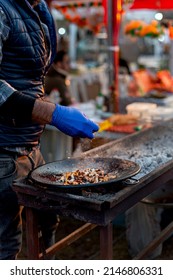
[[26, 58]]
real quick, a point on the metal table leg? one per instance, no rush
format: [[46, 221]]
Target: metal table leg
[[32, 239], [106, 242]]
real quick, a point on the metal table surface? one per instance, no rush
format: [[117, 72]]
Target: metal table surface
[[103, 206]]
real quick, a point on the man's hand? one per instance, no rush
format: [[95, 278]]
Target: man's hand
[[72, 122]]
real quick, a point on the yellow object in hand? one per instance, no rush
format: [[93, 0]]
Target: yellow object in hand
[[104, 125]]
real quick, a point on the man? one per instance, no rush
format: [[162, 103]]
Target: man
[[56, 78], [27, 48]]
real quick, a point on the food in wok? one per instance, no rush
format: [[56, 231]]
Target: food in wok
[[85, 176]]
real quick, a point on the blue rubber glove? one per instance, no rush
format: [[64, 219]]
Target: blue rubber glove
[[73, 123]]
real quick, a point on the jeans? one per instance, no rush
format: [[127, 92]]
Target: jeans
[[13, 167]]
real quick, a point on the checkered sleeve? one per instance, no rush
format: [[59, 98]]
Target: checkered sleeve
[[5, 89], [4, 30]]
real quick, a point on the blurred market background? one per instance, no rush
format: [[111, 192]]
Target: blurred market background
[[121, 52]]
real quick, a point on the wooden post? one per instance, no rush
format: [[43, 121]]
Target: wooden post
[[116, 21], [113, 13]]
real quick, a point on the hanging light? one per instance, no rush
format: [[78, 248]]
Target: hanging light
[[61, 31], [158, 16]]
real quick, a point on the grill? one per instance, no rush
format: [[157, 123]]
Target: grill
[[151, 149]]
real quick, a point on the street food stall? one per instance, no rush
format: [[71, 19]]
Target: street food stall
[[142, 162], [136, 165]]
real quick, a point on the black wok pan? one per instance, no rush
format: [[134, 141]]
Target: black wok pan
[[123, 169]]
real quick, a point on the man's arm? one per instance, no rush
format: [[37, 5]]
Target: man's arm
[[67, 119], [42, 111]]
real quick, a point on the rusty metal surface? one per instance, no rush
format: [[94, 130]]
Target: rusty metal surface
[[152, 148]]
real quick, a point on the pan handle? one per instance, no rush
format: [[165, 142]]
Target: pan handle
[[29, 178], [130, 181]]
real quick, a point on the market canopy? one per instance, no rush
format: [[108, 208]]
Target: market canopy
[[137, 4], [153, 4]]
